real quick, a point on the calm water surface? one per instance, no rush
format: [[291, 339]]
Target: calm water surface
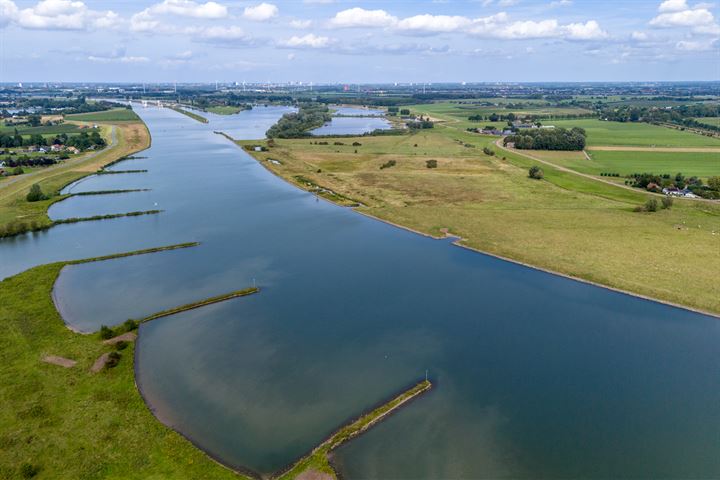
[[535, 375], [364, 120]]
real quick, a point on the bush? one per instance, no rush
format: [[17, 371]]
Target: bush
[[28, 470], [106, 332], [388, 164], [356, 144], [536, 173], [113, 360], [431, 163], [651, 205], [130, 325], [488, 151], [667, 202], [35, 194], [121, 345]]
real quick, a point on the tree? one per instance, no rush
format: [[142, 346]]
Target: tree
[[405, 111], [35, 194], [667, 202], [536, 172], [651, 205], [34, 120], [431, 163], [714, 183]]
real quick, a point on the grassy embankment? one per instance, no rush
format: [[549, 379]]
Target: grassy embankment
[[131, 137], [224, 109], [317, 460], [565, 223], [190, 114], [62, 423]]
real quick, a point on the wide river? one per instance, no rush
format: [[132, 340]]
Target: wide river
[[535, 375]]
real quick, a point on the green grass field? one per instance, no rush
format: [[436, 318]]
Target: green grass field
[[458, 113], [114, 115], [713, 121], [600, 132], [42, 130], [224, 110], [565, 223], [66, 423], [628, 162]]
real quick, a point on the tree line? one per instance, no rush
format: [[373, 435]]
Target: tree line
[[548, 139], [295, 125]]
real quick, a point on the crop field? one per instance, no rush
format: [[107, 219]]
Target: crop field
[[114, 115], [565, 223], [600, 132], [628, 162]]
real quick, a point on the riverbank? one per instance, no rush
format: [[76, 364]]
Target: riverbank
[[65, 422], [565, 224], [17, 215]]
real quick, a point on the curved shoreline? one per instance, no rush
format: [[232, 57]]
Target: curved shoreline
[[459, 240]]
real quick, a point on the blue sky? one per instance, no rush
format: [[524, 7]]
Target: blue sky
[[358, 41]]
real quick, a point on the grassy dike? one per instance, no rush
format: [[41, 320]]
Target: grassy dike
[[190, 114], [17, 215], [317, 460], [66, 423]]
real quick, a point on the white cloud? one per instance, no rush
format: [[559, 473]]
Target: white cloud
[[639, 36], [673, 6], [261, 12], [220, 33], [694, 46], [507, 3], [434, 23], [560, 3], [8, 12], [301, 23], [589, 30], [310, 41], [684, 18], [359, 17], [58, 15], [188, 8], [118, 55]]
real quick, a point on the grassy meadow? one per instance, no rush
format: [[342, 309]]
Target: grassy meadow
[[712, 121], [564, 223], [67, 423], [223, 109], [114, 115]]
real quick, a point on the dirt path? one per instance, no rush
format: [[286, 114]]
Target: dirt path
[[615, 148], [499, 144]]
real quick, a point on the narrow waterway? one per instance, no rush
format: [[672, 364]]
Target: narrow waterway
[[535, 375]]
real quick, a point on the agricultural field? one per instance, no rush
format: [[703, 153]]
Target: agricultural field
[[458, 113], [698, 164], [565, 223], [114, 115], [600, 132], [712, 121], [53, 130]]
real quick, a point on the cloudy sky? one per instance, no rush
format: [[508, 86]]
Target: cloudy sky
[[358, 41]]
